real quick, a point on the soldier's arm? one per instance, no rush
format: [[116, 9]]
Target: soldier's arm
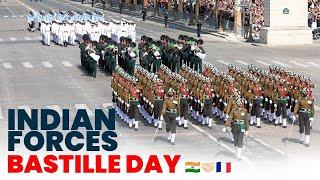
[[312, 109], [164, 106], [229, 120], [296, 107], [246, 121]]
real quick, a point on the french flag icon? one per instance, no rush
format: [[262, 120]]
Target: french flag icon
[[224, 167]]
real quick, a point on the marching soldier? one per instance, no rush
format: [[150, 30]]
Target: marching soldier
[[184, 104], [281, 106], [207, 102], [31, 20], [132, 55], [256, 95], [169, 112], [93, 59], [305, 110], [111, 52], [133, 105], [199, 55], [144, 58], [238, 121]]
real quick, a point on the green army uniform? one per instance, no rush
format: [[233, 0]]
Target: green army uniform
[[305, 109], [83, 54]]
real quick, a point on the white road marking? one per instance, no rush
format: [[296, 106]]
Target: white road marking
[[13, 39], [39, 38], [13, 16], [221, 144], [27, 64], [313, 64], [1, 39], [84, 106], [27, 38], [67, 63], [267, 145], [26, 108], [47, 64], [56, 108], [223, 62], [1, 115], [316, 108], [5, 16], [21, 16], [106, 106], [298, 64], [281, 64], [242, 62], [7, 65], [262, 62]]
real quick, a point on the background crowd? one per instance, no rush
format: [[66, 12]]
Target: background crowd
[[208, 9]]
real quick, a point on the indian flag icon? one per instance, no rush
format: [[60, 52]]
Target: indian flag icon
[[192, 167]]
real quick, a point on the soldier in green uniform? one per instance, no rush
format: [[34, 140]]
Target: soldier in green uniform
[[169, 112], [198, 56], [93, 59], [304, 108], [111, 51], [238, 121], [155, 51], [131, 58], [122, 47], [144, 58], [176, 58]]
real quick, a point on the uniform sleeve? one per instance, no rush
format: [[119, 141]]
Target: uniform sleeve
[[296, 107], [228, 122], [246, 120], [164, 106]]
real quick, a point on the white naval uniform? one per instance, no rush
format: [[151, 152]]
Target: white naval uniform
[[91, 33], [42, 31], [54, 31], [47, 33], [132, 32], [72, 34], [78, 30], [97, 33], [65, 33]]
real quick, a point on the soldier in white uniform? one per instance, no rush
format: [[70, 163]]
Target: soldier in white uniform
[[72, 34], [97, 32], [114, 30], [47, 33], [92, 31], [132, 31], [65, 30]]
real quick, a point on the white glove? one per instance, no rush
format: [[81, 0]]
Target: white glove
[[138, 106], [265, 99], [250, 104], [227, 116], [270, 101], [224, 129], [161, 118], [217, 95], [225, 104], [311, 119], [275, 105], [246, 133], [128, 105], [201, 104], [220, 100]]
